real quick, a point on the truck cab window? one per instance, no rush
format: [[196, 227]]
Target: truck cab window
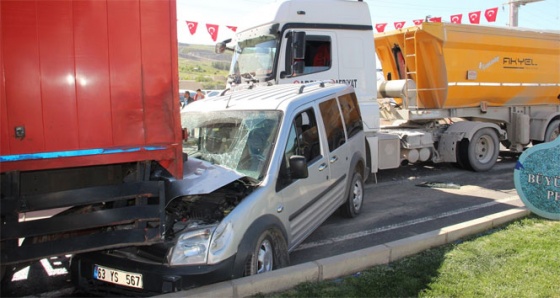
[[317, 54]]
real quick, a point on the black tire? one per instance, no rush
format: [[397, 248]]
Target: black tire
[[355, 197], [552, 132], [270, 252], [481, 152]]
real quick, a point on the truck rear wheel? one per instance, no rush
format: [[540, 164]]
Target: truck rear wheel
[[481, 152], [552, 131]]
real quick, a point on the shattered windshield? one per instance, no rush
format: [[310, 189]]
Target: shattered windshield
[[253, 59], [239, 140]]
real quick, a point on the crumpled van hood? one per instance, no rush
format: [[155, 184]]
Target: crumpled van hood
[[202, 177]]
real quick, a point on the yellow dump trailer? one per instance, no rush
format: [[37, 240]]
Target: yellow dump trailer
[[459, 66]]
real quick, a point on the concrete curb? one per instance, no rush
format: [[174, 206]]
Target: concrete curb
[[352, 262]]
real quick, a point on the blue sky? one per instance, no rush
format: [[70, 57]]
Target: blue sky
[[538, 15]]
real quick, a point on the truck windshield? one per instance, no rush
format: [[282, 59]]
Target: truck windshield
[[238, 140], [253, 59]]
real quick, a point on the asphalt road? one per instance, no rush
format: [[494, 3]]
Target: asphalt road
[[401, 207], [404, 202]]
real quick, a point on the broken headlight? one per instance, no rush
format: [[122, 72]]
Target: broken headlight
[[192, 247]]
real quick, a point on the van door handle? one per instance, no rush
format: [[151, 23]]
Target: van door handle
[[322, 166], [333, 159]]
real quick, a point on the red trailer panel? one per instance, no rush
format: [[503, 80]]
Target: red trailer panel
[[88, 82]]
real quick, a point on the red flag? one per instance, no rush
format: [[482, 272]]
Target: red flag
[[212, 30], [418, 22], [399, 25], [380, 27], [435, 20], [233, 28], [192, 27], [491, 14], [474, 17], [456, 18]]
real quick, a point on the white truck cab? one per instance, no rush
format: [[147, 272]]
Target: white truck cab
[[297, 42]]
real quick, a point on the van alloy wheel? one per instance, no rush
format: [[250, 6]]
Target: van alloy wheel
[[265, 258], [355, 197], [270, 252]]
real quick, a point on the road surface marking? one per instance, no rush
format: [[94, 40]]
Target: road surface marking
[[401, 225]]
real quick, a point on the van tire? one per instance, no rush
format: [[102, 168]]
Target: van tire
[[270, 252], [355, 197]]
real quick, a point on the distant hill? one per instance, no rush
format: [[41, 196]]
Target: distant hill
[[201, 64], [202, 53]]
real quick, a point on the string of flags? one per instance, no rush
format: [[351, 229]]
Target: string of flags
[[473, 18], [212, 29]]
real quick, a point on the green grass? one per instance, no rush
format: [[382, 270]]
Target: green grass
[[521, 259]]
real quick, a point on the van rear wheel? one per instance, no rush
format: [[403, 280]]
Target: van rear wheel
[[355, 197]]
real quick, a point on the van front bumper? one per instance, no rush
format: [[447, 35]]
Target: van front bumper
[[156, 278]]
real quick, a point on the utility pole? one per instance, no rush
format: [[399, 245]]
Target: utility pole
[[514, 10]]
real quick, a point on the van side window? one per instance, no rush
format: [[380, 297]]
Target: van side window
[[303, 140], [308, 135], [351, 114], [333, 123], [317, 54]]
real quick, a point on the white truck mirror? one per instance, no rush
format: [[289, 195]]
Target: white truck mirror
[[298, 45], [221, 46]]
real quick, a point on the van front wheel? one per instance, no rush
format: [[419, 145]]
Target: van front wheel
[[270, 252]]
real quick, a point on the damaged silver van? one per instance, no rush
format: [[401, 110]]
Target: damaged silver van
[[265, 168]]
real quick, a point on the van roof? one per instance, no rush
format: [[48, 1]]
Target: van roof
[[267, 98]]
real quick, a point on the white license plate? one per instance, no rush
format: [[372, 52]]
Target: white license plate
[[118, 277]]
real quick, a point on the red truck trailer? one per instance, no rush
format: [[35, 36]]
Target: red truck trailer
[[90, 124]]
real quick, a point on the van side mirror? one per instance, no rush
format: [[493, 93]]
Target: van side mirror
[[298, 167]]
